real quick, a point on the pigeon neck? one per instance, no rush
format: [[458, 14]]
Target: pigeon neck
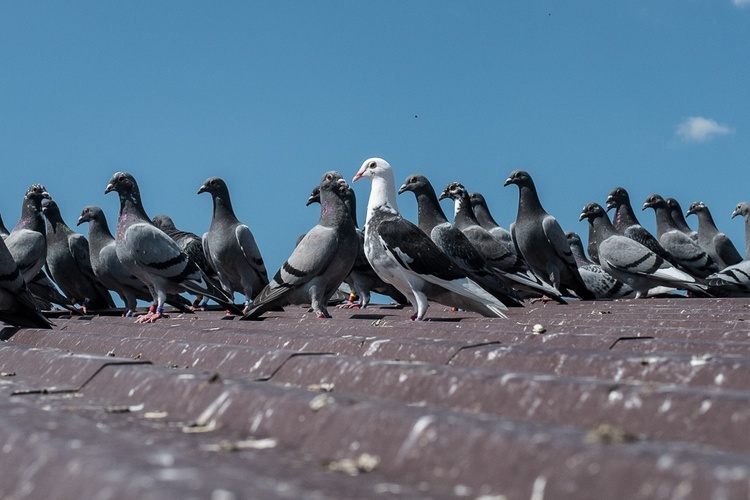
[[463, 216], [351, 205], [706, 225], [528, 200], [603, 229], [484, 217], [31, 216], [429, 211], [382, 197], [333, 211], [223, 207], [56, 226], [679, 221], [624, 217], [131, 212], [578, 254], [664, 221], [99, 235], [747, 237]]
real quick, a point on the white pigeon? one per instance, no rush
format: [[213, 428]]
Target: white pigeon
[[403, 255]]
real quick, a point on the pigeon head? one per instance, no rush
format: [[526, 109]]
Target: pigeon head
[[123, 183], [37, 193], [573, 238], [89, 214], [519, 178], [592, 211], [50, 208], [164, 222], [314, 196], [673, 205], [213, 185], [655, 201], [696, 207], [414, 183], [743, 209], [455, 191], [618, 196], [477, 199], [373, 167]]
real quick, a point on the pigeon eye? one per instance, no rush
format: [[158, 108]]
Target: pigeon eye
[[121, 178], [213, 182], [372, 165]]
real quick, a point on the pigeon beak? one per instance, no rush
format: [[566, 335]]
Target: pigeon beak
[[80, 221], [444, 195], [357, 177], [508, 181], [582, 216], [110, 187], [735, 213], [610, 203], [645, 206], [202, 189], [402, 188]]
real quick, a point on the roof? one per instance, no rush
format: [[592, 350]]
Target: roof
[[622, 399]]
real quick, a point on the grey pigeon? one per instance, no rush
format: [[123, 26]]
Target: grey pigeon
[[633, 263], [230, 247], [684, 250], [743, 209], [17, 306], [319, 263], [362, 280], [485, 219], [600, 282], [541, 241], [675, 211], [454, 243], [27, 241], [626, 223], [403, 255], [191, 244], [69, 264], [152, 256], [508, 264], [715, 243], [109, 270]]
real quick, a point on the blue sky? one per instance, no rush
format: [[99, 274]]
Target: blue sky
[[652, 96]]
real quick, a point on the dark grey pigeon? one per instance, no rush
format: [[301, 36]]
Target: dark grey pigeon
[[109, 270], [633, 263], [626, 223], [230, 246], [321, 261], [454, 243], [508, 264], [69, 263], [192, 245], [485, 219], [600, 282], [684, 250], [152, 256], [27, 241], [17, 306], [362, 280], [743, 209], [403, 255], [542, 243], [675, 211], [715, 243]]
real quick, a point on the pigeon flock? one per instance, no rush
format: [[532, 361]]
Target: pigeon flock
[[470, 264]]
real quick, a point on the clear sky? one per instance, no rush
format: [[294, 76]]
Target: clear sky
[[588, 95]]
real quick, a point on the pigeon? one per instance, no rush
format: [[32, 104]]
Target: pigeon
[[69, 264], [191, 244], [542, 243], [320, 262], [683, 249], [454, 243], [485, 219], [109, 270], [715, 243], [675, 211], [601, 283], [17, 306], [508, 264], [152, 256], [743, 209], [633, 263], [403, 255], [362, 280], [27, 241], [230, 247]]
